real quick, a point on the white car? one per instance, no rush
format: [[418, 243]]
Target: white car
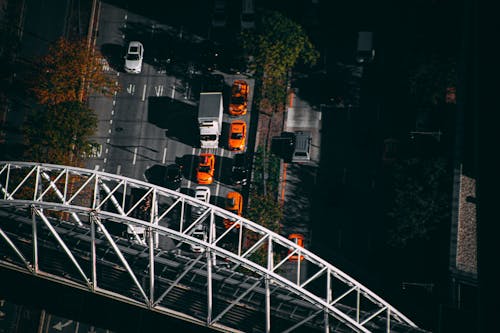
[[202, 193], [199, 232], [133, 59]]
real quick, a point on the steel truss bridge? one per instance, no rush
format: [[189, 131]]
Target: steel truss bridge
[[133, 241]]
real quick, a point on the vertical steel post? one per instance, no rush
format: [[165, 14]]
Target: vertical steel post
[[240, 240], [357, 304], [6, 192], [268, 292], [151, 267], [328, 299], [181, 222], [209, 287], [35, 239], [93, 252], [298, 268], [388, 320]]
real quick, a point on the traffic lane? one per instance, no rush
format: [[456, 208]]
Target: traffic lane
[[53, 323], [111, 20]]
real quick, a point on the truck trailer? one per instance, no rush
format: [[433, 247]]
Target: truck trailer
[[210, 113]]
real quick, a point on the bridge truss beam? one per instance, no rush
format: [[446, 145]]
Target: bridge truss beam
[[127, 239]]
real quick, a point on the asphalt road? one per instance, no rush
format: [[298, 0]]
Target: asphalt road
[[152, 120]]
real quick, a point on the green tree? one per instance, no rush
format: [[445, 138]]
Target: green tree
[[276, 47], [421, 199], [430, 78], [60, 133], [69, 72], [265, 210]]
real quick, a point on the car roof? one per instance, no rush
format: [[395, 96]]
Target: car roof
[[302, 141], [134, 43], [238, 123]]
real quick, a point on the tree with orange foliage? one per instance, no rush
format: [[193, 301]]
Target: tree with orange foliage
[[70, 72]]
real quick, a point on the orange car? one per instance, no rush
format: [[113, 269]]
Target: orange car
[[234, 204], [239, 98], [237, 135], [205, 169], [299, 240]]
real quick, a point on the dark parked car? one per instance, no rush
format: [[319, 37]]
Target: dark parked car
[[169, 176], [284, 146], [239, 175], [213, 83]]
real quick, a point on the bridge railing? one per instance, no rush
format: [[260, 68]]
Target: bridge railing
[[160, 219]]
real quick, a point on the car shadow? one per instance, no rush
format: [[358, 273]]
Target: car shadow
[[223, 167], [177, 118], [113, 53]]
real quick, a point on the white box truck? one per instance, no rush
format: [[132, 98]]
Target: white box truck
[[210, 118]]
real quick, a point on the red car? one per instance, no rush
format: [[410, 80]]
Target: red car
[[205, 169], [299, 240], [237, 135], [234, 204], [239, 98]]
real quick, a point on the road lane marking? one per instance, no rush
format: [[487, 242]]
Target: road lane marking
[[164, 155], [144, 93], [159, 90], [173, 91], [193, 151], [118, 169], [108, 140], [283, 186], [217, 187], [96, 167], [107, 150], [135, 156], [109, 131], [105, 160], [111, 121]]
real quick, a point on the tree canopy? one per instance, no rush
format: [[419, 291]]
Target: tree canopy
[[60, 133], [421, 199], [431, 78], [70, 72], [276, 46]]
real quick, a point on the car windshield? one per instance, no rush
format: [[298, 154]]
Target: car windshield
[[132, 56], [230, 202], [247, 17], [236, 136], [238, 100], [204, 168], [208, 137], [172, 173], [219, 17]]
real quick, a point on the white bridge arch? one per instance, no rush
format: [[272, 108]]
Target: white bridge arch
[[127, 239]]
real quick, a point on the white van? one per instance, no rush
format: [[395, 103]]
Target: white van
[[247, 16], [365, 51], [302, 151]]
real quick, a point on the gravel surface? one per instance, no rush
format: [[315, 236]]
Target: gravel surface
[[466, 258]]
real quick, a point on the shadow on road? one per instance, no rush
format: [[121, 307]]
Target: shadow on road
[[114, 54], [177, 118]]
